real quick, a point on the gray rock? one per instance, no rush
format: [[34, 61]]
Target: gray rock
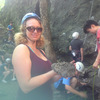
[[65, 69]]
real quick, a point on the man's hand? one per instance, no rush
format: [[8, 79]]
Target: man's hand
[[83, 83], [95, 65], [82, 94]]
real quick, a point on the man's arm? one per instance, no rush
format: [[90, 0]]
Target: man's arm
[[70, 48], [81, 50], [97, 61], [72, 90]]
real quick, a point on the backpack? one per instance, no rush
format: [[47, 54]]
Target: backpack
[[59, 85]]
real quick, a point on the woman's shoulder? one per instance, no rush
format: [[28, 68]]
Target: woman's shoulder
[[21, 51], [21, 47]]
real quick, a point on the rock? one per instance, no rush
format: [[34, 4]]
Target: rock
[[65, 69]]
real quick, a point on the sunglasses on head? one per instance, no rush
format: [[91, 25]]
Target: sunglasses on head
[[32, 29]]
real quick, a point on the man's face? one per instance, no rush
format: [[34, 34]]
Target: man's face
[[92, 30]]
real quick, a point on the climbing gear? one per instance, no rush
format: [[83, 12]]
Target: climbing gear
[[73, 53], [93, 83], [75, 35], [30, 15], [79, 66]]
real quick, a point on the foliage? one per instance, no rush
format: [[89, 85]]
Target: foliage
[[2, 2], [9, 48], [14, 11]]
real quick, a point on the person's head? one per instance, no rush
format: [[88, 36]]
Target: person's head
[[11, 23], [90, 26], [75, 35], [31, 30]]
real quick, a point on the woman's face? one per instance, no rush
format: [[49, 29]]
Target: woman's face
[[33, 29]]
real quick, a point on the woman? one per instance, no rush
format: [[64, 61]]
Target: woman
[[31, 66]]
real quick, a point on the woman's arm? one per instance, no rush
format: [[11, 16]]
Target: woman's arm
[[56, 78], [22, 67]]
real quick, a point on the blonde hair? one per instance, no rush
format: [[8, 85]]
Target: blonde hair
[[21, 38]]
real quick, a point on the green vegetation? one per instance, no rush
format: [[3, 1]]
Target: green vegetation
[[2, 2]]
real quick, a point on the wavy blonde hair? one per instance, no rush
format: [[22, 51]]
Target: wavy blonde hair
[[21, 38]]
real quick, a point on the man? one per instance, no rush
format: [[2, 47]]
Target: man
[[4, 71], [70, 83], [76, 48], [10, 32], [92, 27]]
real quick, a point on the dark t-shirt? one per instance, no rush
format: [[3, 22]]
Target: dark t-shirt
[[76, 44]]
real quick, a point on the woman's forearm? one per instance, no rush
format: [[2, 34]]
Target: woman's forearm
[[37, 81]]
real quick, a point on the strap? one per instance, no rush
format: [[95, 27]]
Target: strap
[[31, 49], [39, 50], [42, 52]]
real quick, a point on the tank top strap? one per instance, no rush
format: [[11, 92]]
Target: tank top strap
[[42, 52], [39, 50], [30, 49]]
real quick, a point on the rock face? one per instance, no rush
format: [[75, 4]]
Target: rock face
[[68, 16]]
